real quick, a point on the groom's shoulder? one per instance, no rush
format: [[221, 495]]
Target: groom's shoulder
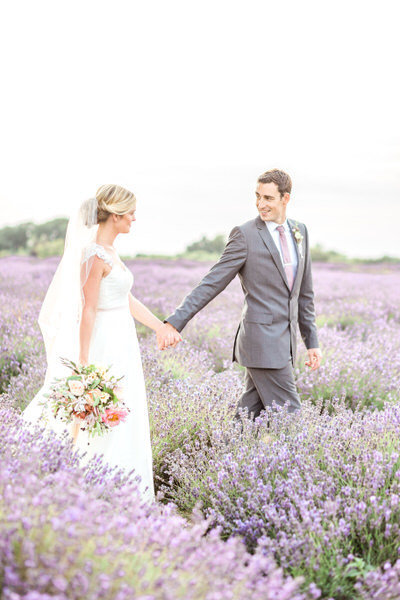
[[248, 226]]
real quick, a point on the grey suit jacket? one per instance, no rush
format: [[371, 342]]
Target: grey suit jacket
[[266, 336]]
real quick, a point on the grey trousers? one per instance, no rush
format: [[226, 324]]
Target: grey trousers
[[265, 386]]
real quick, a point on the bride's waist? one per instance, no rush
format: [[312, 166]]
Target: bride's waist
[[120, 307]]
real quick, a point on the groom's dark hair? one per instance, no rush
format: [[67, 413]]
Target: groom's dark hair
[[280, 178]]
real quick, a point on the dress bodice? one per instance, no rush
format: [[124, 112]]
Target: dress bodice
[[115, 287]]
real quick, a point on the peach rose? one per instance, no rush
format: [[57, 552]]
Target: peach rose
[[76, 387], [92, 395]]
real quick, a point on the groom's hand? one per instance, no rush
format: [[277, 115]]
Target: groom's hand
[[314, 358], [167, 336]]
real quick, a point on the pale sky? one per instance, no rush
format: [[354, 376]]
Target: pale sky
[[186, 103]]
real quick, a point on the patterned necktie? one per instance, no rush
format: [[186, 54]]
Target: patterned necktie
[[287, 261]]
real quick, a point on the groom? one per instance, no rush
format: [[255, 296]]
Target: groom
[[271, 255]]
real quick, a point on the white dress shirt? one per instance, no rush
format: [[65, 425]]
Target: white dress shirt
[[272, 227]]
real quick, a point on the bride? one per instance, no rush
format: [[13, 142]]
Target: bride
[[87, 316]]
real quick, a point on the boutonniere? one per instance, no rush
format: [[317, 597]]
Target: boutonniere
[[298, 236]]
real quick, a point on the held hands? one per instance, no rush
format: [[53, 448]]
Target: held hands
[[314, 358], [167, 336]]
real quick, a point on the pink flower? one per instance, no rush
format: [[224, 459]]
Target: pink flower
[[76, 387], [114, 416]]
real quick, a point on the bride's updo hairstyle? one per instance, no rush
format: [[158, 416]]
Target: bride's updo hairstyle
[[113, 199]]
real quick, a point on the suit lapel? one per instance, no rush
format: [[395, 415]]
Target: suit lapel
[[299, 257], [269, 242]]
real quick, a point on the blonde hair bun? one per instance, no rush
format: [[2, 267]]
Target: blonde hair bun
[[113, 199]]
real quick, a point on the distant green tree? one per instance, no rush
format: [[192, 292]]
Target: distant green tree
[[49, 248], [16, 237], [319, 254], [49, 231], [383, 259], [212, 246], [47, 236], [26, 237]]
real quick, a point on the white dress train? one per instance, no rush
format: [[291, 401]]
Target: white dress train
[[114, 342]]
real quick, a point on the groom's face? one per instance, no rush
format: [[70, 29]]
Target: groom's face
[[270, 203]]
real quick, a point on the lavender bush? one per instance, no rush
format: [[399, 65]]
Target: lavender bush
[[381, 583], [320, 494], [319, 497], [72, 533]]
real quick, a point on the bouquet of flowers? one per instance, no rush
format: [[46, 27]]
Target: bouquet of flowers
[[89, 398]]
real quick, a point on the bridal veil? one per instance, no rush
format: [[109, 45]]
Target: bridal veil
[[61, 310]]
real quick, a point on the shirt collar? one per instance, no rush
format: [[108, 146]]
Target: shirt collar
[[272, 225]]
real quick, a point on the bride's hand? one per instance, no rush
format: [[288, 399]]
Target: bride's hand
[[167, 336], [83, 361]]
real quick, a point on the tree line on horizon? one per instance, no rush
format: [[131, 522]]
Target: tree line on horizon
[[47, 239]]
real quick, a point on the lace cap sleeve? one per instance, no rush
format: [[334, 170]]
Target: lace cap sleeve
[[97, 250]]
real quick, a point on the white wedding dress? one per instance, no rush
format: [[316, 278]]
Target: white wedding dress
[[114, 342]]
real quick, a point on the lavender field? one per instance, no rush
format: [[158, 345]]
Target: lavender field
[[312, 512]]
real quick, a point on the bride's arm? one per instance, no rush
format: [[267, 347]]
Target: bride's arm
[[142, 314], [91, 294]]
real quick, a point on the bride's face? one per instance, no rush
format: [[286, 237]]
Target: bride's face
[[124, 222]]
